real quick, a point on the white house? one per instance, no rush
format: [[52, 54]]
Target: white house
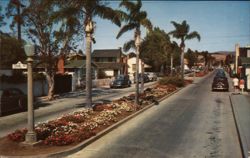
[[131, 62]]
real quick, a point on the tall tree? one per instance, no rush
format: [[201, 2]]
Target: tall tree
[[182, 32], [41, 27], [11, 50], [155, 47], [14, 9], [89, 9], [134, 19], [191, 57]]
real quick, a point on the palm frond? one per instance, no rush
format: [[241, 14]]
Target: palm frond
[[108, 13], [125, 28], [147, 24], [138, 16], [193, 35], [138, 5], [176, 25], [64, 13], [128, 45], [123, 16], [128, 5]]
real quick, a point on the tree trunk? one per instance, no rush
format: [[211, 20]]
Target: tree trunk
[[142, 76], [50, 80], [171, 65], [88, 71], [137, 44], [137, 77], [182, 63]]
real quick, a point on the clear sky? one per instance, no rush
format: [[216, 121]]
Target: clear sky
[[221, 24]]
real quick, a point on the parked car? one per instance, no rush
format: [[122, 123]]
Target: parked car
[[12, 100], [152, 76], [145, 78], [120, 82], [220, 82]]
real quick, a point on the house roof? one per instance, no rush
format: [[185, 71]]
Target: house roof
[[77, 64], [245, 60], [109, 65], [107, 53]]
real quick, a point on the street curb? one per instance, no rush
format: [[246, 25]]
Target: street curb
[[243, 146], [96, 137]]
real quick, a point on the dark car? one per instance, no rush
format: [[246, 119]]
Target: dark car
[[12, 100], [145, 78], [121, 81], [220, 82]]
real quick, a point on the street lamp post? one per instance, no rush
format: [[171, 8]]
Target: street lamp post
[[89, 29], [30, 137]]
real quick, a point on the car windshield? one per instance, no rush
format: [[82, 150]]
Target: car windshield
[[119, 80], [220, 79]]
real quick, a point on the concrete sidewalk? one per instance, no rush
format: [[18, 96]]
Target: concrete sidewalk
[[241, 108]]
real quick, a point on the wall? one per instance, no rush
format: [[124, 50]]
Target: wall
[[101, 82], [6, 72], [40, 88]]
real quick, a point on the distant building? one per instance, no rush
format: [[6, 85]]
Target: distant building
[[131, 62], [110, 61], [242, 64]]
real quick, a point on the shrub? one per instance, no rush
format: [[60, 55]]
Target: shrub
[[171, 80]]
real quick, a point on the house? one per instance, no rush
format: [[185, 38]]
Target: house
[[131, 62], [77, 70], [109, 61]]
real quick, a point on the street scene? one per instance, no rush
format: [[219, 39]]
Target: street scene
[[127, 78]]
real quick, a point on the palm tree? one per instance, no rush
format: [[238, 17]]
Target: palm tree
[[14, 9], [182, 32], [135, 18], [89, 9]]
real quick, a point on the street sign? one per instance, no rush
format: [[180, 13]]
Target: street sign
[[19, 65]]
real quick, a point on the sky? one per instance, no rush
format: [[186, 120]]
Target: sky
[[221, 24]]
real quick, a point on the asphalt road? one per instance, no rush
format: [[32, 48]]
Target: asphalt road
[[193, 123], [64, 104]]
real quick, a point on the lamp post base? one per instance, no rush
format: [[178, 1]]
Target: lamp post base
[[30, 138]]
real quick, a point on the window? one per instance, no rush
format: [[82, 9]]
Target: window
[[111, 59], [134, 67]]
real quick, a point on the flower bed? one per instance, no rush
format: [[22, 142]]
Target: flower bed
[[201, 73], [81, 125]]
